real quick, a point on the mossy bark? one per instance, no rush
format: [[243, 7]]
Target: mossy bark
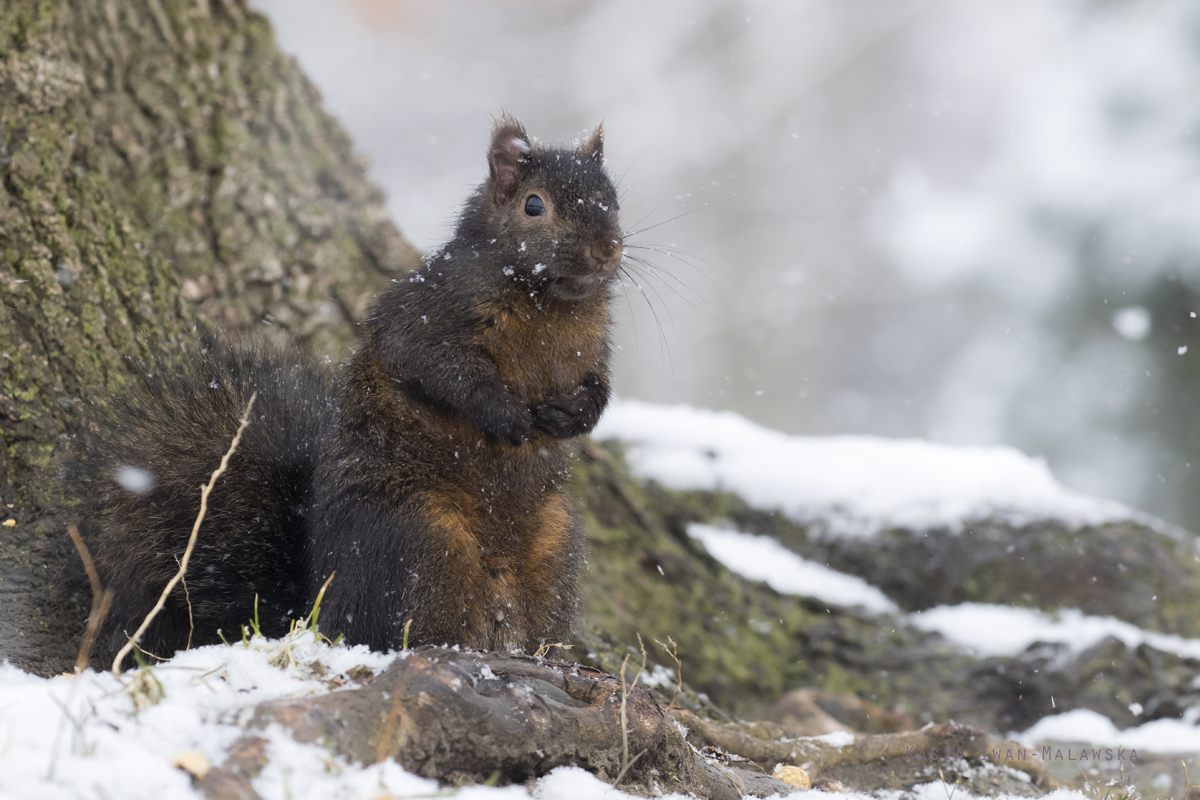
[[162, 166]]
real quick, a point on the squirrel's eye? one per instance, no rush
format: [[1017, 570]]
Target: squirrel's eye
[[534, 207]]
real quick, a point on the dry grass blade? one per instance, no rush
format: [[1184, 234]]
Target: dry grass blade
[[191, 545]]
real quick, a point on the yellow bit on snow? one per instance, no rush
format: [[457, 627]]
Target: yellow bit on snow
[[792, 776], [192, 762]]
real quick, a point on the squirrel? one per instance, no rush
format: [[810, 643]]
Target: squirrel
[[429, 476]]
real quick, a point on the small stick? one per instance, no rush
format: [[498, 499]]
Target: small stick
[[191, 545], [625, 762], [673, 652], [101, 600], [624, 726], [188, 597]]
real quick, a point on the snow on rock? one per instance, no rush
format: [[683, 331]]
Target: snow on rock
[[854, 485], [994, 630], [1082, 725], [761, 558]]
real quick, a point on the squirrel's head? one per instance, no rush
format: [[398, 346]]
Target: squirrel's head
[[551, 213]]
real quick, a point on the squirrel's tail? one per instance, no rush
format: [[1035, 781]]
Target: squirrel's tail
[[145, 456]]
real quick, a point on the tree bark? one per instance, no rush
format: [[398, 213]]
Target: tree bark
[[162, 165]]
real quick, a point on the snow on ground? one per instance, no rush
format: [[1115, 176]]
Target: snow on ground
[[761, 558], [856, 485], [993, 630], [107, 748]]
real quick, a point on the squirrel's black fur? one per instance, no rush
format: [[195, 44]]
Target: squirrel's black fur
[[429, 476]]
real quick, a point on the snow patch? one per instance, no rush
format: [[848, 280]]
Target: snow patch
[[994, 630], [761, 558], [853, 485], [1083, 725], [836, 739]]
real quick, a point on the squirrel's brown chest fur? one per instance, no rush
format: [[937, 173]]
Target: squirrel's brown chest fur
[[543, 352]]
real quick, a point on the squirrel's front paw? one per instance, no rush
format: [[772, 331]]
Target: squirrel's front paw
[[574, 414], [563, 417], [514, 429], [498, 414]]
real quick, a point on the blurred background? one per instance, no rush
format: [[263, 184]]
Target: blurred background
[[977, 223]]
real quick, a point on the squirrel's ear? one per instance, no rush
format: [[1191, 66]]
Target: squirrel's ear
[[594, 147], [508, 158]]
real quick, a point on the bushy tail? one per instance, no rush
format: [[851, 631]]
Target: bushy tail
[[145, 455]]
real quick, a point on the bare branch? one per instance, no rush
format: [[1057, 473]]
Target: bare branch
[[191, 545]]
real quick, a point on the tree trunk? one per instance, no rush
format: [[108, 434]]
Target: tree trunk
[[163, 164]]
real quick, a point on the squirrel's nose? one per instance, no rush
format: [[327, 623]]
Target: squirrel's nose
[[604, 252]]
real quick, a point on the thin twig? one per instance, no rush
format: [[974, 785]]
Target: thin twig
[[673, 652], [949, 792], [625, 762], [191, 545], [624, 726], [101, 600], [627, 767], [146, 652], [642, 646], [188, 597]]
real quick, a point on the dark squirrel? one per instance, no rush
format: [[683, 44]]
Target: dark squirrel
[[430, 476]]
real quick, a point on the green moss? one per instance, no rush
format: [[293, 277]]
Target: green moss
[[741, 643]]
